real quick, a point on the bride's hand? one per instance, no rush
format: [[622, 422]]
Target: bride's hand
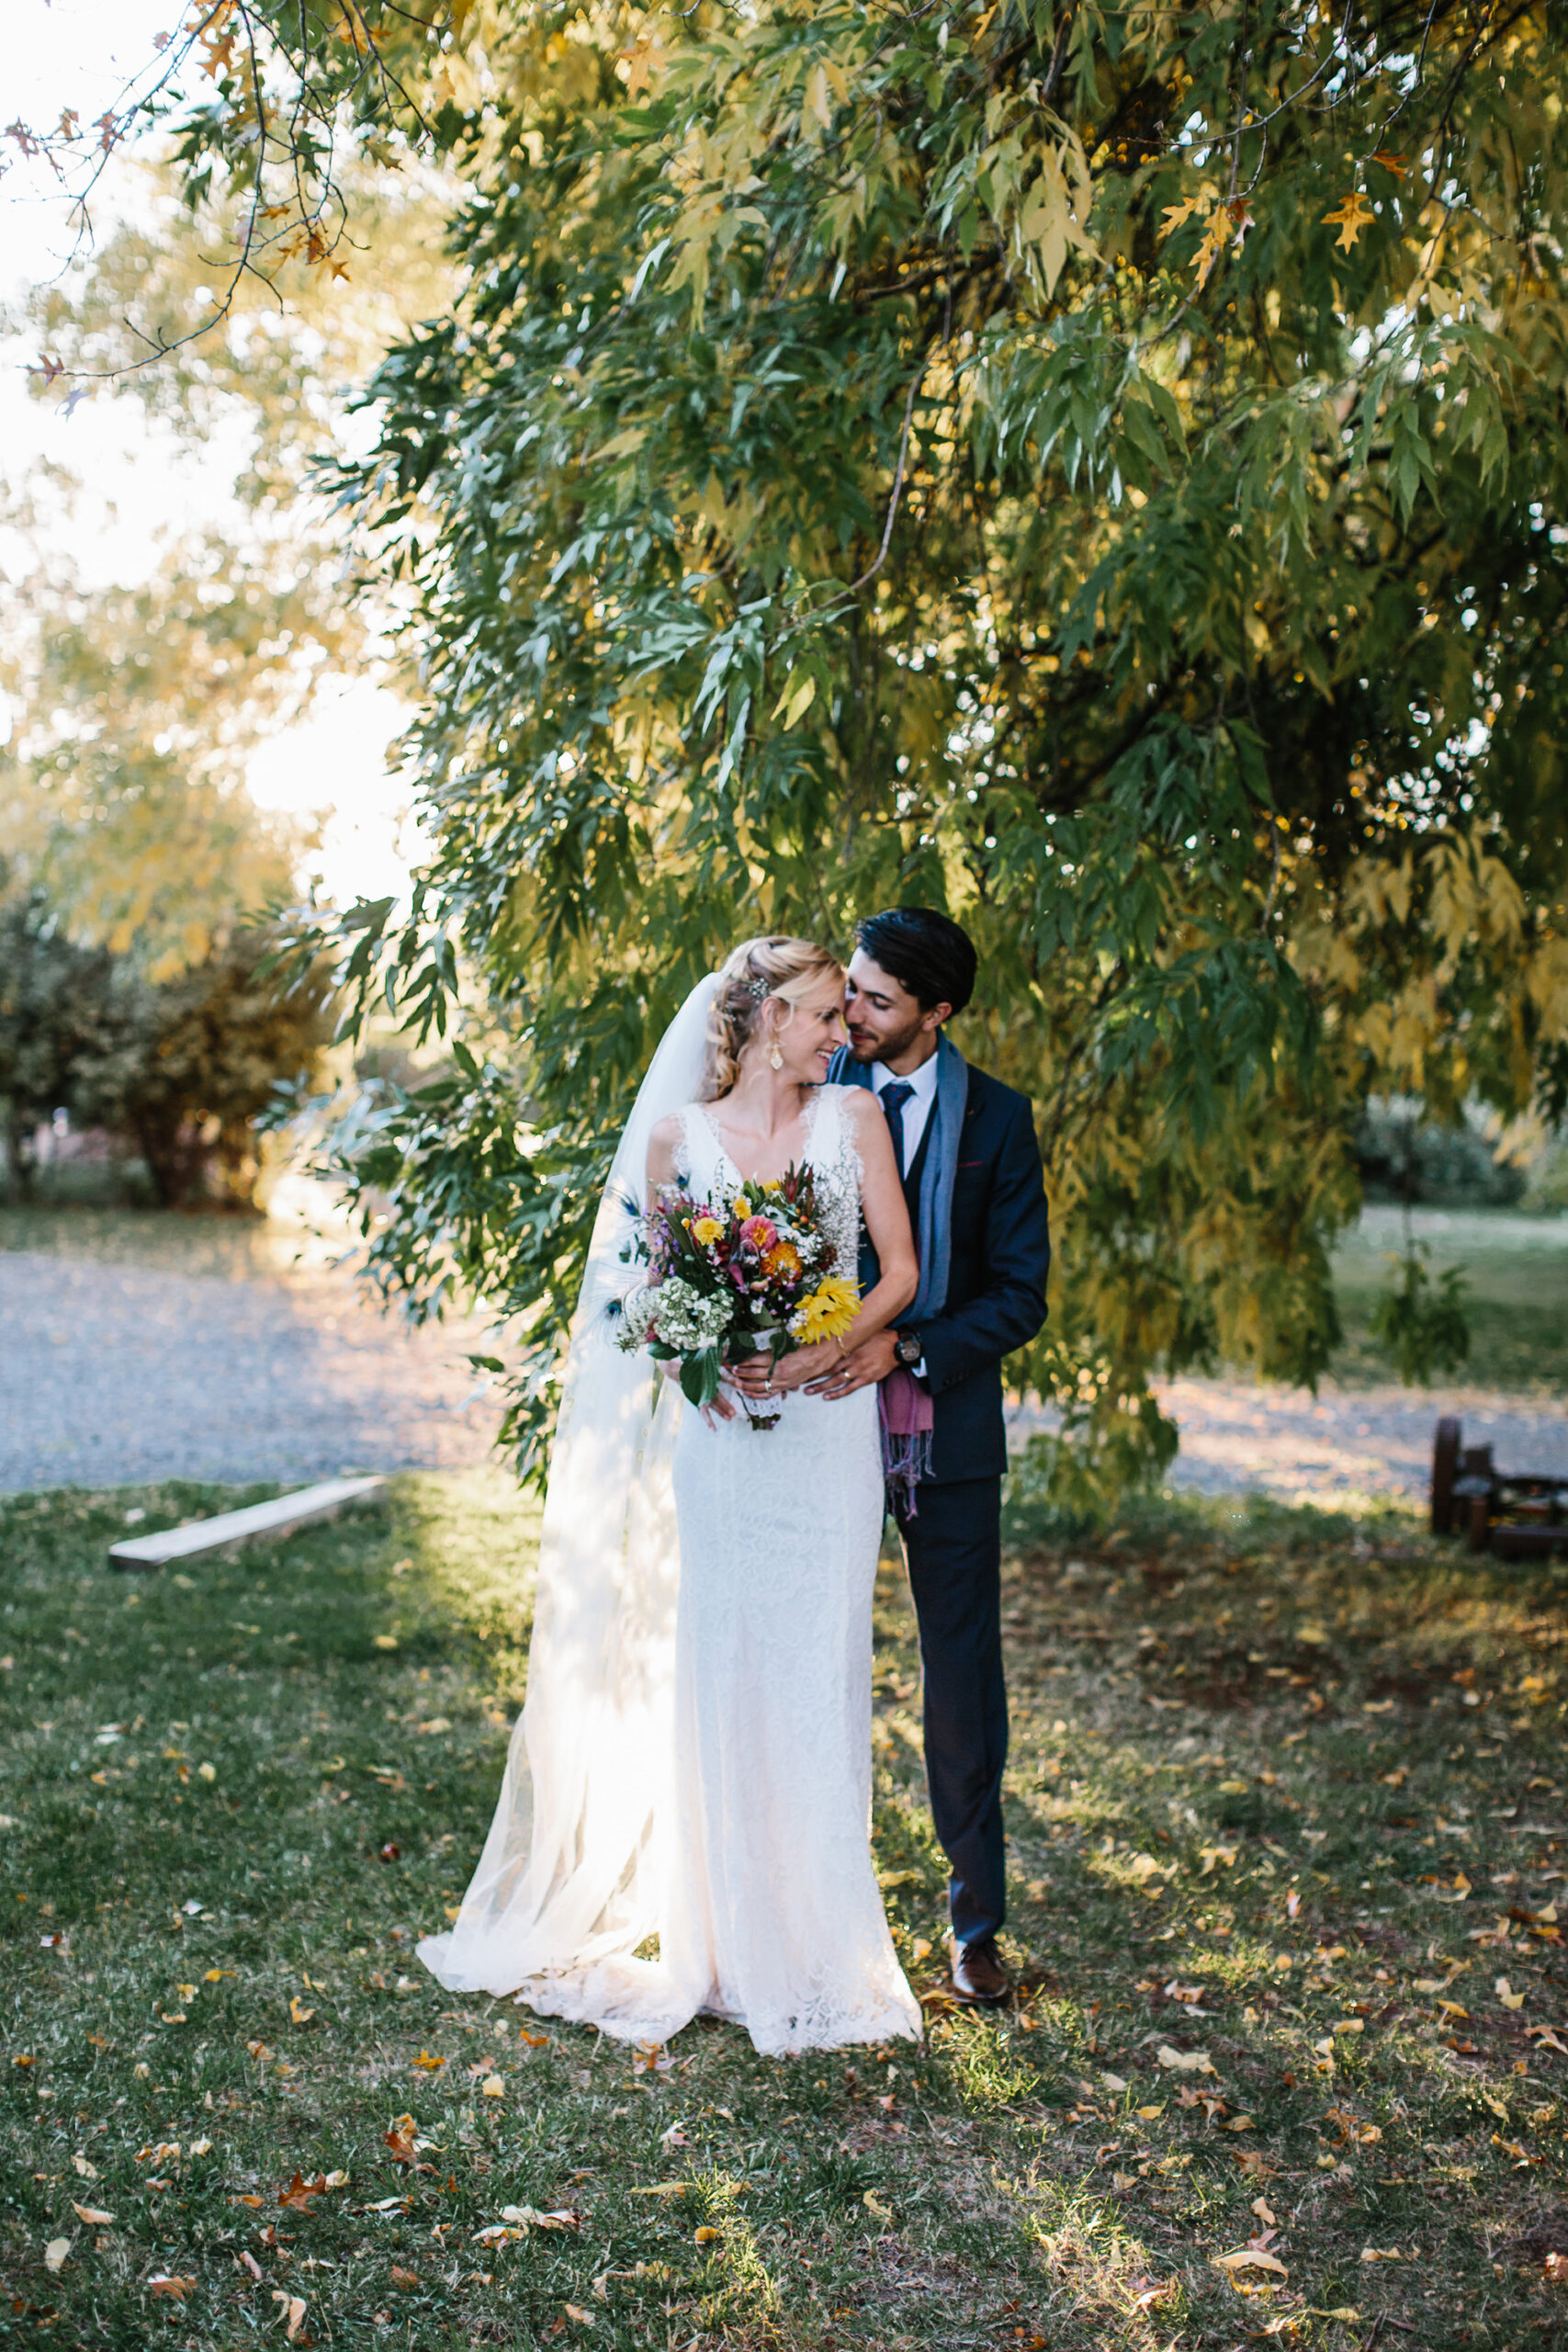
[[720, 1409], [756, 1379]]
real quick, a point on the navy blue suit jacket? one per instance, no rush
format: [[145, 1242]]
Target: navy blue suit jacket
[[996, 1286]]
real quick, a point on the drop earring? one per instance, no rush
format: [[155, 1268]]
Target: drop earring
[[775, 1058]]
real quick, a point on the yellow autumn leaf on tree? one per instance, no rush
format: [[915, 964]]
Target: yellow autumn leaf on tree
[[1351, 217], [796, 698], [1175, 215]]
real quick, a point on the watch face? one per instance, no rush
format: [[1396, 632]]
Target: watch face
[[908, 1348]]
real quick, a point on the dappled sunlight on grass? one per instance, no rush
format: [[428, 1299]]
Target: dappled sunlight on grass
[[1286, 1812]]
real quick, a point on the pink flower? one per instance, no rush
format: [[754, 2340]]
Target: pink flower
[[758, 1233]]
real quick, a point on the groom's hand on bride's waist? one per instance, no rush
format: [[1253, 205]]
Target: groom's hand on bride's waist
[[857, 1368]]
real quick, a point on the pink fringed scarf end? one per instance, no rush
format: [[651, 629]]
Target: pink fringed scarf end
[[908, 1418]]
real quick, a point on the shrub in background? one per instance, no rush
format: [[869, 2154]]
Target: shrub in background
[[52, 999], [177, 1069], [1402, 1156]]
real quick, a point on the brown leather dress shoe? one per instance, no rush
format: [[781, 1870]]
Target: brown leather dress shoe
[[979, 1980]]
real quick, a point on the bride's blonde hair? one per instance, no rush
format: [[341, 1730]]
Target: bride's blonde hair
[[791, 970]]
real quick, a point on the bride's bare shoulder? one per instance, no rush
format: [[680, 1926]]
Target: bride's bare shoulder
[[666, 1140], [856, 1102]]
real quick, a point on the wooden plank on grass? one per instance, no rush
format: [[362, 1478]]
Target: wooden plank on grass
[[275, 1518]]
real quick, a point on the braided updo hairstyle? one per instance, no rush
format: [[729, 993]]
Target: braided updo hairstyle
[[791, 970]]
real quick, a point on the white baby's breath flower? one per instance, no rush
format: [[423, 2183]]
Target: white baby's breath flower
[[636, 1321], [685, 1319]]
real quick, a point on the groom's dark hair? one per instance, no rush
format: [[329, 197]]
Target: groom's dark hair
[[925, 952]]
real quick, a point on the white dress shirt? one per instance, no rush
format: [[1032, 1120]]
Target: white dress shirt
[[918, 1110]]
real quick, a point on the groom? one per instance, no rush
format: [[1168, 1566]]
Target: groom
[[970, 1163]]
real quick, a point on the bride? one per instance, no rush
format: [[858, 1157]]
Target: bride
[[685, 1821]]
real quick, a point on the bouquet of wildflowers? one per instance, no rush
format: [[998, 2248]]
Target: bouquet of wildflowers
[[739, 1275]]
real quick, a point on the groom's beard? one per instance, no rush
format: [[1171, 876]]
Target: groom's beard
[[865, 1047]]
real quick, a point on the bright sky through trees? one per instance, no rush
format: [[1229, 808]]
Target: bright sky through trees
[[136, 476]]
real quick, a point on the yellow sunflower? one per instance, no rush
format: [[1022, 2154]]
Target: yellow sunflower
[[827, 1312]]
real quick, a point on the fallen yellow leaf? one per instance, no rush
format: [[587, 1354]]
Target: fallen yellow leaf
[[1383, 2253], [1506, 1995], [1185, 2061], [168, 2282], [1252, 2257], [385, 1641], [54, 2254], [493, 2087], [94, 2216]]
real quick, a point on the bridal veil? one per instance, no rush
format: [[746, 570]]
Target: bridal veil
[[568, 1885]]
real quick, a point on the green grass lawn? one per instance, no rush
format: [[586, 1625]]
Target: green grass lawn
[[1287, 1806], [1515, 1270]]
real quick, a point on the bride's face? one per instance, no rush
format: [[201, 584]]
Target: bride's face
[[809, 1034]]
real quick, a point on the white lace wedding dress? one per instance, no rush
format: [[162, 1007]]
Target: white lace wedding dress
[[775, 1919], [684, 1823]]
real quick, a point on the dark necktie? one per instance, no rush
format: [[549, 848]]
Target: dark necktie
[[893, 1098]]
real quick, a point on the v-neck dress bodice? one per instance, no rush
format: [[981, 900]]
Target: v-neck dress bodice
[[705, 1165]]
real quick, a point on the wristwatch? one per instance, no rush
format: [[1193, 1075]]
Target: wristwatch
[[908, 1348]]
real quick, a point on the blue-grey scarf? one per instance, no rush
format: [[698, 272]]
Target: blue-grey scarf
[[933, 1238]]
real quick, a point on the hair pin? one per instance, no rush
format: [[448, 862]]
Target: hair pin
[[756, 989]]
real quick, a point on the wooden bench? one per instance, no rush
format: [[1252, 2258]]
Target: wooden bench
[[275, 1518], [1517, 1514]]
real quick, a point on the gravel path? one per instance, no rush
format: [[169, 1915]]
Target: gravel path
[[1344, 1447], [1346, 1443], [117, 1374], [114, 1373]]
